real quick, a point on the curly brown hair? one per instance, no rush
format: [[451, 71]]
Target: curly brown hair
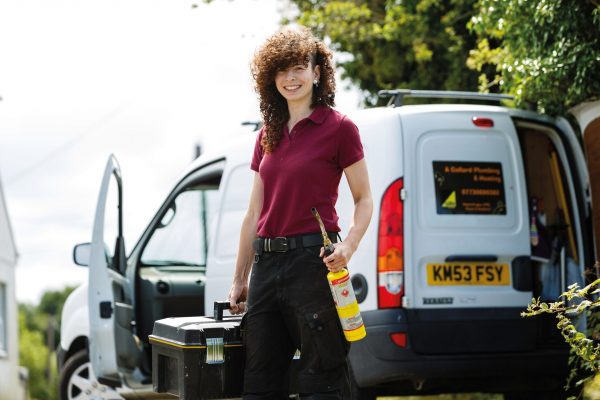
[[284, 49]]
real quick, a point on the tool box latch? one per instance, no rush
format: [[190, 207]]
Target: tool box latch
[[214, 351]]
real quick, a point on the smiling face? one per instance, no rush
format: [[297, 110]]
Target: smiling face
[[295, 83]]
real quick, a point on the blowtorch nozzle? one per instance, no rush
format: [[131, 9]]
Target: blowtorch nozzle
[[326, 241]]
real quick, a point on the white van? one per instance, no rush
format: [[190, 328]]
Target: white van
[[478, 208]]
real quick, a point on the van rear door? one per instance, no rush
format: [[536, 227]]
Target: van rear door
[[467, 236], [470, 240]]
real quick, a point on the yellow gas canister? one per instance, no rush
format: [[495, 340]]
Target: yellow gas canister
[[343, 293], [346, 305]]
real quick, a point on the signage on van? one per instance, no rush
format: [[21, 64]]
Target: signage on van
[[469, 187]]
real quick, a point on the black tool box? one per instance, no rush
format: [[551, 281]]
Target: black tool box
[[198, 357]]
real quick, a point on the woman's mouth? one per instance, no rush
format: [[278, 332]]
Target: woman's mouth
[[292, 87]]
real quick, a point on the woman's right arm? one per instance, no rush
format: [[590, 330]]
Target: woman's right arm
[[245, 258]]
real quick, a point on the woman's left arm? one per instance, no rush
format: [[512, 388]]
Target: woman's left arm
[[358, 180]]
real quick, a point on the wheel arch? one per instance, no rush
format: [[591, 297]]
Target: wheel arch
[[80, 343]]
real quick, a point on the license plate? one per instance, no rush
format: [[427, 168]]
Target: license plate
[[475, 273]]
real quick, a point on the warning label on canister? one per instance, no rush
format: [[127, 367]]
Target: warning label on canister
[[341, 290], [352, 323]]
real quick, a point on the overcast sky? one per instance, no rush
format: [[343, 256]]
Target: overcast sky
[[145, 80]]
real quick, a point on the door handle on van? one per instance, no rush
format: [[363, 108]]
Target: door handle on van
[[471, 257]]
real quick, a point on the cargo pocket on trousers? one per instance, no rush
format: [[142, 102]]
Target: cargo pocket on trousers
[[328, 337]]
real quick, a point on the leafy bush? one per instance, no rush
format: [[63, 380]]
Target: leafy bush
[[33, 355], [572, 312], [35, 322]]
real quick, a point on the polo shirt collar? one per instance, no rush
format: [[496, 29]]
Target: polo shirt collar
[[319, 114]]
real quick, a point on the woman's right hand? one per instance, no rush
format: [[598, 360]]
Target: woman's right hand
[[237, 298]]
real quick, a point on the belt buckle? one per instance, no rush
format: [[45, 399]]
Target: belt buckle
[[269, 248], [284, 243]]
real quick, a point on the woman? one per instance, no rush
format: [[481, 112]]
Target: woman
[[299, 157]]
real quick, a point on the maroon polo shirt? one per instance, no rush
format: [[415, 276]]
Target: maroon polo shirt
[[304, 171]]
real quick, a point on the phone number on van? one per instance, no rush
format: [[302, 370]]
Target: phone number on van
[[468, 274]]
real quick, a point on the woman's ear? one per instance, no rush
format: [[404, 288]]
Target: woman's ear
[[317, 72]]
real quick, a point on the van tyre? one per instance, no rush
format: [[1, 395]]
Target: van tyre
[[77, 381]]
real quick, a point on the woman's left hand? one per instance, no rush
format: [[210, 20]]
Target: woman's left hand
[[339, 258]]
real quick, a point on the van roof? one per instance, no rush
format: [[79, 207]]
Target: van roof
[[244, 140], [378, 112]]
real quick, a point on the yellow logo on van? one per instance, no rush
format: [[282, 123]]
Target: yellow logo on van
[[450, 202]]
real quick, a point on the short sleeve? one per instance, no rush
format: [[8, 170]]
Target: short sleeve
[[350, 149], [258, 152]]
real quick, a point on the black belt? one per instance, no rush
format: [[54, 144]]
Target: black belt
[[282, 244]]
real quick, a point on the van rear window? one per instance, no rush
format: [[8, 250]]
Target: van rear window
[[463, 187]]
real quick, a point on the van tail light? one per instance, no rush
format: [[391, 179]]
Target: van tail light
[[399, 339], [483, 122], [390, 248]]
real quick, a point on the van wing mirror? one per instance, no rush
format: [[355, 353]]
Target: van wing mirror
[[81, 254]]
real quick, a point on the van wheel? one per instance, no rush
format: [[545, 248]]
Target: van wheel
[[77, 381]]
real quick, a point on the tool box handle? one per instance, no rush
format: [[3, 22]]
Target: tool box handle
[[219, 307]]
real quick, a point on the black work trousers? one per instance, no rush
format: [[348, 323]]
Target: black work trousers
[[290, 307]]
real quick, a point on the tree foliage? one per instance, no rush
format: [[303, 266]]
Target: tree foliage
[[35, 322], [33, 354], [544, 52], [52, 301], [418, 44], [48, 311]]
